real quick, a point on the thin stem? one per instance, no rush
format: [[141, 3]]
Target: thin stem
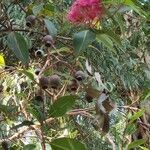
[[23, 30]]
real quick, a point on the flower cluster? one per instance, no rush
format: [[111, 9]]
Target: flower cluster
[[85, 11]]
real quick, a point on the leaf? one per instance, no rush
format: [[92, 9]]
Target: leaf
[[24, 123], [51, 27], [48, 9], [29, 147], [82, 39], [37, 9], [48, 147], [94, 93], [2, 61], [98, 77], [37, 112], [88, 67], [8, 110], [105, 127], [49, 6], [136, 115], [136, 143], [119, 21], [102, 97], [28, 74], [130, 129], [62, 105], [104, 39], [17, 43], [111, 35], [143, 148], [67, 144], [135, 8]]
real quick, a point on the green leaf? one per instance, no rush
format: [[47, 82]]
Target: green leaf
[[2, 61], [103, 38], [119, 20], [37, 112], [81, 40], [113, 36], [48, 9], [49, 6], [62, 105], [29, 147], [137, 143], [37, 8], [28, 74], [8, 110], [24, 123], [17, 43], [135, 8], [136, 115], [67, 144], [48, 147], [37, 147], [143, 148], [51, 27], [130, 129]]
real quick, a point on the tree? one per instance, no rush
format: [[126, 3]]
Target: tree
[[74, 74]]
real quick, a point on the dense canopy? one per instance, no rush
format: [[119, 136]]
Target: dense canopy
[[74, 75]]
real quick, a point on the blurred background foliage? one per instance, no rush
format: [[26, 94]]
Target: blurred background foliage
[[114, 55]]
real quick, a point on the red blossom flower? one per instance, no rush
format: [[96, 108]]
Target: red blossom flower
[[85, 11]]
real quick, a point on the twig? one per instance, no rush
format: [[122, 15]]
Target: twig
[[43, 139], [44, 67], [110, 140], [67, 64], [61, 90], [22, 8], [47, 121], [33, 127], [22, 30], [128, 107], [64, 38]]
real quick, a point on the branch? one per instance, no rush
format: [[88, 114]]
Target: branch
[[128, 107], [23, 30], [32, 127], [110, 140], [47, 121]]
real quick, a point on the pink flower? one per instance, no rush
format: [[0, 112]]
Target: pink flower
[[85, 11]]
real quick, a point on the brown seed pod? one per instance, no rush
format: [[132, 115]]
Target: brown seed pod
[[43, 81], [39, 53], [37, 71], [105, 127], [39, 96], [5, 145], [48, 40], [54, 81], [73, 85], [80, 75], [30, 20], [88, 98], [1, 88]]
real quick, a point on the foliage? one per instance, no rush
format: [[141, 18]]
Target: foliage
[[83, 85]]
